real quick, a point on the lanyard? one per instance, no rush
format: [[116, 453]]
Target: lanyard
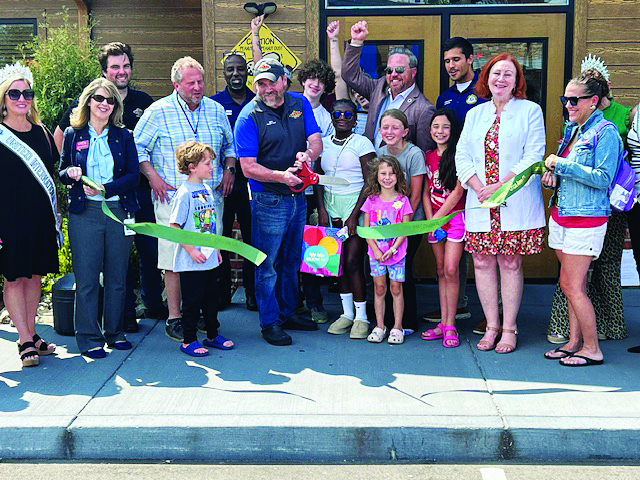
[[194, 130]]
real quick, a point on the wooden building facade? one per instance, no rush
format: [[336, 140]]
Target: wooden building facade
[[551, 37]]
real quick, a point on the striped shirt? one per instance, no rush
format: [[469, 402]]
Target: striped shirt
[[169, 122], [633, 141]]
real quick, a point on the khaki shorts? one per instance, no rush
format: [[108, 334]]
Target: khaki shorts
[[167, 249]]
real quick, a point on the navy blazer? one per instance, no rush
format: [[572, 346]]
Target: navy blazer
[[126, 170]]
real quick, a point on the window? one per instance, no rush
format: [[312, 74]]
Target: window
[[14, 33], [375, 53], [441, 3]]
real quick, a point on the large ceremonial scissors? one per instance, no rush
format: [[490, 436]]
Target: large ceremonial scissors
[[308, 178]]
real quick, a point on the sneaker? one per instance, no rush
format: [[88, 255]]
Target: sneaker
[[557, 339], [275, 335], [319, 314], [173, 330], [340, 326], [251, 303], [359, 330], [462, 313]]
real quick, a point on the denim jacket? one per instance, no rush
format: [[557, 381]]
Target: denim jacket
[[126, 170], [584, 177]]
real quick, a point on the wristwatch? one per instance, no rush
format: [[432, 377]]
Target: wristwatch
[[231, 168]]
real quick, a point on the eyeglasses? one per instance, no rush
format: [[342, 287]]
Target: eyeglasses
[[99, 98], [346, 115], [389, 70], [572, 100], [14, 94]]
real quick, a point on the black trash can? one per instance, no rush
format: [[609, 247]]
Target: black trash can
[[63, 297]]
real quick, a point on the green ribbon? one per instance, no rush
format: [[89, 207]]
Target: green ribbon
[[180, 236], [424, 226]]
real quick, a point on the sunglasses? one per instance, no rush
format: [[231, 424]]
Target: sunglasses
[[99, 98], [389, 70], [572, 100], [346, 115], [14, 94]]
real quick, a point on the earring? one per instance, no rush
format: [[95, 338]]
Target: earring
[[592, 107], [4, 112]]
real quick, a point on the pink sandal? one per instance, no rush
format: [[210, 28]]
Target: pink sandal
[[432, 335], [449, 338]]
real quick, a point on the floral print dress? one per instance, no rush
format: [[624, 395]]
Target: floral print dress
[[496, 241]]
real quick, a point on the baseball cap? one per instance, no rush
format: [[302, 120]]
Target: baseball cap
[[268, 68]]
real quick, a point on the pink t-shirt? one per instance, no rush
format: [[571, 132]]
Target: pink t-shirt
[[437, 192], [387, 213]]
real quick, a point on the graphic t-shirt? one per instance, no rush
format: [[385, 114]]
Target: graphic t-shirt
[[437, 192], [387, 213], [192, 208]]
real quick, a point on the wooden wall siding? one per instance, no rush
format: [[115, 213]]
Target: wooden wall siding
[[289, 23], [159, 32], [613, 33], [36, 9]]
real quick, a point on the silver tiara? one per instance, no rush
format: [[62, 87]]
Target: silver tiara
[[591, 61], [16, 70]]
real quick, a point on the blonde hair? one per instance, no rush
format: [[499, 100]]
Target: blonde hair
[[191, 153], [372, 187], [181, 64], [32, 115], [81, 115]]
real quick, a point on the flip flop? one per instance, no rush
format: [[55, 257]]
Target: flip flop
[[217, 342], [191, 349], [588, 362], [565, 354], [432, 335], [448, 338]]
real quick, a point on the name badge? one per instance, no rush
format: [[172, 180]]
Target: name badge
[[82, 145], [229, 112], [127, 231]]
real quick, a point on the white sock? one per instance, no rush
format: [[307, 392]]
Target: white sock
[[361, 311], [347, 304]]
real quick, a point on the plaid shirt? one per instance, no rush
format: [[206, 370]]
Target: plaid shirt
[[168, 123]]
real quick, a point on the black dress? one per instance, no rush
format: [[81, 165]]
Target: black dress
[[27, 223]]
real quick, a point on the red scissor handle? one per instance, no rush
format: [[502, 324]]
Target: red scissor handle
[[306, 176]]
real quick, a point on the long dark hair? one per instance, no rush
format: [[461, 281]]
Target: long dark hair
[[447, 167], [372, 187]]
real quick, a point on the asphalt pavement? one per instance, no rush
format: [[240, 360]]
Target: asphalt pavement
[[326, 398]]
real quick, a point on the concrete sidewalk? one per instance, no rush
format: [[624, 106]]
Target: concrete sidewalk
[[326, 398]]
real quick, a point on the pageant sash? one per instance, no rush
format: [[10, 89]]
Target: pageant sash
[[424, 226], [37, 168], [180, 236]]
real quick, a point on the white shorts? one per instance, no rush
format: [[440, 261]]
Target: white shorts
[[167, 249], [577, 241]]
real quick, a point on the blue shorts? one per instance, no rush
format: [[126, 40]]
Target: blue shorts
[[396, 271]]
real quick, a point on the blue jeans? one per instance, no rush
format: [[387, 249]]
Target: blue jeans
[[277, 224]]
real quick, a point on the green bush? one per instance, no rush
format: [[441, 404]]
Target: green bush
[[63, 63]]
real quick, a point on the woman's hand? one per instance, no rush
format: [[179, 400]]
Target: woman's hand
[[551, 162], [549, 179], [485, 192], [92, 192], [74, 173]]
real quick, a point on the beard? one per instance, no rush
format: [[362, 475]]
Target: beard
[[273, 100]]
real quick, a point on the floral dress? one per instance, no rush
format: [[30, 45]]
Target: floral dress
[[496, 241]]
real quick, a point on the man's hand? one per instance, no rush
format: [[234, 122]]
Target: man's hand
[[333, 30], [160, 188], [303, 157], [226, 185], [256, 23], [290, 178], [92, 192], [359, 32]]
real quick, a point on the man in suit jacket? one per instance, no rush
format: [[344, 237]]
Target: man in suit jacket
[[396, 90]]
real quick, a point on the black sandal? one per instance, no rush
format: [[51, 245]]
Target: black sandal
[[45, 348], [29, 359]]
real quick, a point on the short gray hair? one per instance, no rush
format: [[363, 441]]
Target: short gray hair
[[413, 60], [181, 64]]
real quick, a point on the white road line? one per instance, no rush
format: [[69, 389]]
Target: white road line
[[493, 474]]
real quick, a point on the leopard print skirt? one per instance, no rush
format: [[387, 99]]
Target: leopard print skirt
[[604, 290]]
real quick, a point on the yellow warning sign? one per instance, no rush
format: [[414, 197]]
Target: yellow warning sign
[[271, 46]]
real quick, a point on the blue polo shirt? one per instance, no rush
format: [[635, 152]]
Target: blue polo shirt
[[232, 109], [460, 102], [274, 139]]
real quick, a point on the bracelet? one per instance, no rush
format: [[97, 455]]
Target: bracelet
[[394, 250]]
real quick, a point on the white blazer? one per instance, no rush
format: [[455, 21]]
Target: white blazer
[[521, 143]]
